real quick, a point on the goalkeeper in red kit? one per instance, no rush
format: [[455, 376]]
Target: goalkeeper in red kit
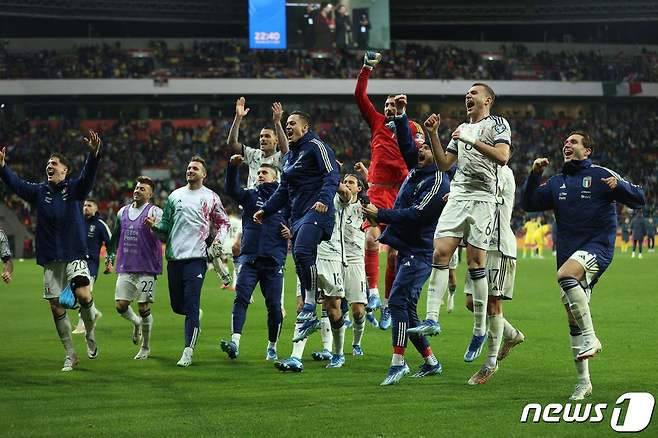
[[386, 173]]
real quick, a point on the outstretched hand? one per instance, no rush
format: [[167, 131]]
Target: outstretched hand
[[93, 142], [240, 110]]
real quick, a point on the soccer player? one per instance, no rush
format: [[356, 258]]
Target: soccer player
[[98, 234], [61, 244], [539, 234], [411, 223], [308, 185], [262, 256], [387, 172], [137, 252], [625, 235], [639, 231], [651, 235], [189, 214], [478, 147], [501, 271], [530, 228], [5, 256], [583, 197]]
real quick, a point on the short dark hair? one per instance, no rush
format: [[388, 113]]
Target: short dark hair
[[91, 200], [268, 127], [270, 166], [198, 159], [588, 142], [304, 116], [62, 159], [361, 182], [489, 90], [146, 180]]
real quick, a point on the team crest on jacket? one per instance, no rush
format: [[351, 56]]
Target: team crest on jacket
[[587, 182]]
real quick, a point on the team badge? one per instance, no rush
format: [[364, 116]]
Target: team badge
[[587, 182], [499, 128]]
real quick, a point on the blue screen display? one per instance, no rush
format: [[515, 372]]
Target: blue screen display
[[267, 24]]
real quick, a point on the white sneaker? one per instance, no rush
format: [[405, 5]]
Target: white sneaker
[[581, 391], [92, 348], [143, 354], [80, 328], [508, 344], [639, 256], [451, 302], [633, 255], [186, 358], [591, 347], [137, 334], [70, 362]]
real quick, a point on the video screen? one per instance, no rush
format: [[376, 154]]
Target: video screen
[[348, 24]]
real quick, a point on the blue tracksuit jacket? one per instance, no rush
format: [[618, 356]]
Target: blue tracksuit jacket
[[584, 206], [98, 234]]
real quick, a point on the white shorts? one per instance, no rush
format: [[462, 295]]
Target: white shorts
[[501, 273], [135, 286], [454, 260], [469, 220], [590, 265], [330, 278], [354, 276], [57, 275]]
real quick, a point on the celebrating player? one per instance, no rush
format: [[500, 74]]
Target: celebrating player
[[501, 271], [478, 147], [308, 185], [411, 223], [262, 255], [387, 172], [98, 234], [583, 199], [61, 244], [188, 216], [137, 252]]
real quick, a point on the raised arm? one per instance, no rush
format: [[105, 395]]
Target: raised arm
[[537, 196], [22, 188], [444, 159], [326, 161], [240, 112], [368, 111], [625, 192], [403, 134], [232, 181], [85, 182], [281, 137]]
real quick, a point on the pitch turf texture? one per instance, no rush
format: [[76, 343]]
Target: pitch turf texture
[[118, 396]]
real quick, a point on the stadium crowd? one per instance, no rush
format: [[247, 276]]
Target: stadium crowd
[[627, 143], [233, 59]]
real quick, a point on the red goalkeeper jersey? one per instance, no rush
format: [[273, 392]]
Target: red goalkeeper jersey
[[386, 163]]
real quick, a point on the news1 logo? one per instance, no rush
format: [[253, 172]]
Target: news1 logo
[[633, 416]]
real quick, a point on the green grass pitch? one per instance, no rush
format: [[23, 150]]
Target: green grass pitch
[[118, 396]]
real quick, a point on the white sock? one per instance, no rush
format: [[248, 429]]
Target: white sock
[[495, 334], [339, 339], [271, 345], [325, 331], [147, 324], [397, 360], [582, 366], [480, 295], [63, 326], [131, 316], [578, 304], [88, 315], [373, 291], [436, 289], [298, 347], [310, 294], [509, 331], [359, 328], [236, 269], [235, 337], [385, 303]]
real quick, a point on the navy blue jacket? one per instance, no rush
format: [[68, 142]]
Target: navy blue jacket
[[61, 233], [263, 240], [412, 220], [310, 174], [639, 226], [584, 206], [98, 234]]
